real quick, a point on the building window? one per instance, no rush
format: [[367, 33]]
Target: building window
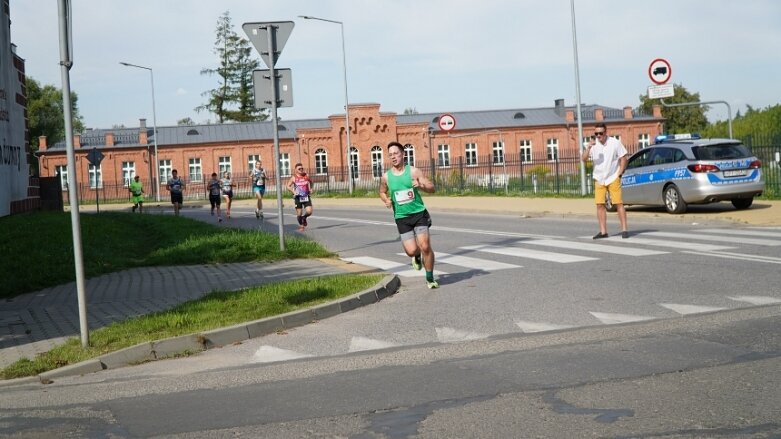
[[62, 171], [617, 137], [376, 153], [498, 153], [526, 150], [443, 155], [643, 140], [321, 161], [165, 170], [284, 164], [409, 155], [251, 161], [470, 149], [128, 172], [95, 177], [196, 172], [553, 149], [354, 162], [225, 164]]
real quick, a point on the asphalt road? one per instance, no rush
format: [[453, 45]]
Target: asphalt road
[[537, 331]]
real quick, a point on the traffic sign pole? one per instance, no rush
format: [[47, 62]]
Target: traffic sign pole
[[272, 47]]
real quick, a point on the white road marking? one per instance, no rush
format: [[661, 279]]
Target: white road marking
[[676, 244], [404, 270], [562, 258], [703, 237], [270, 354], [755, 300], [613, 319], [466, 261], [767, 234], [613, 249], [368, 344], [690, 309], [738, 256], [528, 327], [450, 335]]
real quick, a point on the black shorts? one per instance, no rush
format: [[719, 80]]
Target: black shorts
[[299, 204], [215, 200], [409, 223], [176, 198], [228, 194]]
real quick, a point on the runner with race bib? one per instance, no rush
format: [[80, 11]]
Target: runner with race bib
[[301, 186]]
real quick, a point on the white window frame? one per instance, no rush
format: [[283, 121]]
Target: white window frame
[[128, 172], [470, 154], [95, 177], [552, 149], [284, 164], [409, 154], [443, 155], [643, 140], [376, 158], [195, 170], [497, 153], [525, 150], [224, 164], [251, 159], [165, 168], [62, 171], [321, 161], [355, 163]]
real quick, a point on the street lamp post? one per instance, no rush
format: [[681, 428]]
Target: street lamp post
[[346, 101], [154, 127]]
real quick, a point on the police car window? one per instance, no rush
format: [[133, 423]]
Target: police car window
[[639, 159], [679, 156], [722, 151]]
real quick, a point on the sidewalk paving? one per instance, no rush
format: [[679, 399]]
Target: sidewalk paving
[[38, 321]]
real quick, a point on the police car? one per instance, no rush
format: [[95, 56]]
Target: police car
[[678, 170]]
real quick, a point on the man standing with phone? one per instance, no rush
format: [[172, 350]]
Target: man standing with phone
[[609, 158]]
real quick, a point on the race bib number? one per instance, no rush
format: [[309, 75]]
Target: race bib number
[[303, 198], [404, 196]]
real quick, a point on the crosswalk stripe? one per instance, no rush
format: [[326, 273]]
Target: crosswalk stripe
[[767, 234], [450, 335], [613, 318], [358, 344], [755, 300], [528, 327], [690, 309], [704, 237], [600, 248], [270, 354], [738, 256], [676, 244], [473, 263], [562, 258], [404, 270]]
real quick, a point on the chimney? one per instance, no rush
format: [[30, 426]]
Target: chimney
[[559, 106], [657, 111], [599, 114], [627, 112], [42, 143], [570, 116], [142, 123], [76, 141], [109, 139]]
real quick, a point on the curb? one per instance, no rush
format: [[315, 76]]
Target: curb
[[170, 347]]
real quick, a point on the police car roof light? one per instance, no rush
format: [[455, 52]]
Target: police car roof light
[[671, 137]]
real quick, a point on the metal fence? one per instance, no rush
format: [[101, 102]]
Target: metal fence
[[511, 174]]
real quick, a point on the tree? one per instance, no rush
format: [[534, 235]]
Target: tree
[[187, 121], [760, 125], [684, 119], [232, 99], [410, 110], [45, 113]]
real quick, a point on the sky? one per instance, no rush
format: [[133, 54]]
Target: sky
[[435, 56]]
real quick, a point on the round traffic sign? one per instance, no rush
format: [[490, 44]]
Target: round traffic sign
[[660, 71], [446, 122]]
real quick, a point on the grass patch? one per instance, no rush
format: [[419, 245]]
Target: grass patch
[[38, 247], [215, 310]]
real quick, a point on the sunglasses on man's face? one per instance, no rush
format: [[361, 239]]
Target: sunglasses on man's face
[[599, 133]]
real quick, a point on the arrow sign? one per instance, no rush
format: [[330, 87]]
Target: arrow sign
[[258, 34]]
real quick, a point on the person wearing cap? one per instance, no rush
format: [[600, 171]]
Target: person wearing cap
[[136, 189]]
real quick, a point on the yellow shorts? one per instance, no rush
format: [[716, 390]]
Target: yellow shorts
[[613, 188]]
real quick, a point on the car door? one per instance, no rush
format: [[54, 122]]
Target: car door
[[635, 178]]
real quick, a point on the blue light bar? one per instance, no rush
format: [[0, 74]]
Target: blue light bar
[[670, 137]]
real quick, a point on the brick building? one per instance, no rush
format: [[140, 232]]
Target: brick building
[[490, 137]]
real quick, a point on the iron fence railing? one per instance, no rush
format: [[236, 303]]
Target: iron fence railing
[[512, 174]]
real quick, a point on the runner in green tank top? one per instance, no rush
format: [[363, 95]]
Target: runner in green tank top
[[400, 189]]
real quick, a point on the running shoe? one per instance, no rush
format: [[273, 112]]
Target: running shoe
[[600, 235], [431, 284], [260, 214], [219, 219], [303, 221], [257, 213], [300, 220], [416, 262]]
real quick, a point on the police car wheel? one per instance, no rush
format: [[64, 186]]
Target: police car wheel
[[673, 201], [742, 203]]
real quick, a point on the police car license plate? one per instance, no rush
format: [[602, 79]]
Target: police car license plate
[[735, 173]]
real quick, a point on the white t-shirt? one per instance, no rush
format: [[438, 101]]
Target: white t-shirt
[[605, 158]]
